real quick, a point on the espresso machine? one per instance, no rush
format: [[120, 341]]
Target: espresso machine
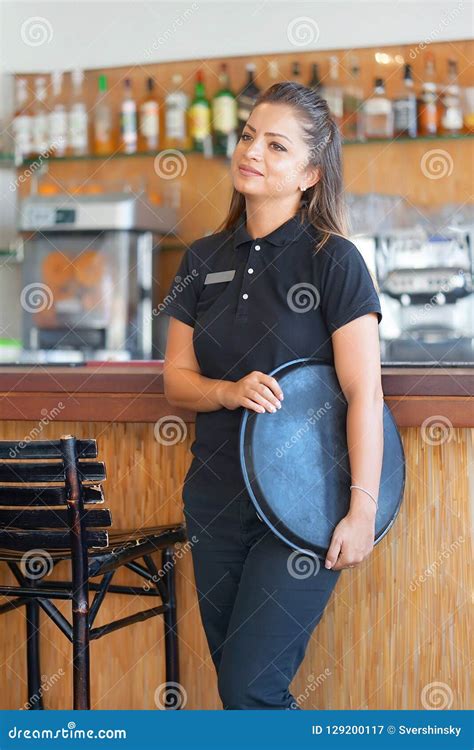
[[88, 289], [423, 264], [426, 281]]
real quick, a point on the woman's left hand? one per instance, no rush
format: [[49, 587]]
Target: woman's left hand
[[352, 540]]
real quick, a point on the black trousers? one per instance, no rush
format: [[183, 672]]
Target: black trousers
[[259, 599]]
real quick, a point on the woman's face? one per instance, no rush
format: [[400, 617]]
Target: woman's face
[[272, 145]]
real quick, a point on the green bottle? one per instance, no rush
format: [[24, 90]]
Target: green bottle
[[200, 115]]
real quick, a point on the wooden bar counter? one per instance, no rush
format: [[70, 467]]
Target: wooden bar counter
[[395, 633]]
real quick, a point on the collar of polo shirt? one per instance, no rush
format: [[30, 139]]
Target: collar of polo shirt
[[284, 234]]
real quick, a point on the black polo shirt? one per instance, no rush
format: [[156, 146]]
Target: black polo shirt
[[255, 304]]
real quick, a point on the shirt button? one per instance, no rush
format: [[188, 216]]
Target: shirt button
[[250, 270], [257, 247], [245, 296]]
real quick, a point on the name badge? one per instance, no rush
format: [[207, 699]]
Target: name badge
[[218, 276]]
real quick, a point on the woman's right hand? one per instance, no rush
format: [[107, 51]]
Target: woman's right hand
[[256, 391]]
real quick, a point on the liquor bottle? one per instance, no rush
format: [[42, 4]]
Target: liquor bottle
[[274, 70], [296, 72], [352, 106], [378, 113], [247, 98], [315, 80], [78, 121], [103, 140], [428, 104], [149, 119], [451, 107], [224, 116], [40, 118], [404, 107], [200, 115], [57, 125], [128, 120], [333, 92], [176, 106], [22, 124]]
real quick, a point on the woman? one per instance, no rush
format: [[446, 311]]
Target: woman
[[236, 315]]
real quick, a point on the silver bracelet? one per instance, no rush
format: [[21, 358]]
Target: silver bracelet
[[366, 491]]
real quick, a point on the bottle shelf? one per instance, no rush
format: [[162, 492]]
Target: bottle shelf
[[8, 158]]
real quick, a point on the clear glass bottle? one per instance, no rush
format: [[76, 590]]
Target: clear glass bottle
[[333, 92], [378, 113], [428, 103], [224, 116], [175, 124], [274, 70], [247, 98], [22, 124], [353, 121], [58, 117], [78, 119], [200, 115], [149, 119], [128, 120], [315, 80], [451, 106], [404, 107], [40, 118], [103, 139]]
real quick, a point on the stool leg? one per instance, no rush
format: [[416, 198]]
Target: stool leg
[[169, 617], [80, 646], [35, 698]]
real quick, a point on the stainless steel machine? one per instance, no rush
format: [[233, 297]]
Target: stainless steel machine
[[88, 282], [424, 266]]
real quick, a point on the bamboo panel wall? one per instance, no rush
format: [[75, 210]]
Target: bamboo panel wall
[[394, 635]]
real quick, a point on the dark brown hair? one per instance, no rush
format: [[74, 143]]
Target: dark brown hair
[[322, 204]]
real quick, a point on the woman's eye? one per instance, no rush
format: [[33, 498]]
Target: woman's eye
[[279, 146], [244, 136]]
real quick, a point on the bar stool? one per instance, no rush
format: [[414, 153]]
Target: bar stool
[[41, 525]]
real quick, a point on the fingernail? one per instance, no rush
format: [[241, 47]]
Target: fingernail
[[327, 564]]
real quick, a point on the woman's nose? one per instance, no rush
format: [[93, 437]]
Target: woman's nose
[[254, 150]]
